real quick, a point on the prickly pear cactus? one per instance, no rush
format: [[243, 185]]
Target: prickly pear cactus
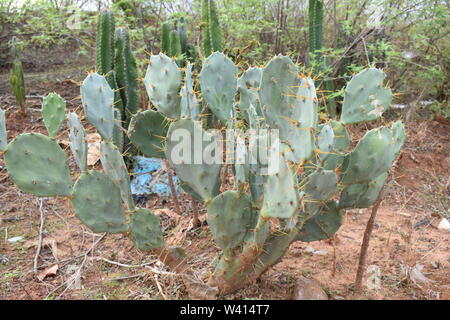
[[266, 210]]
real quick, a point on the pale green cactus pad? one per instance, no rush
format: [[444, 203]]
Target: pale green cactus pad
[[147, 131], [114, 166], [98, 103], [146, 230], [218, 84], [362, 195], [53, 112], [96, 200], [78, 143], [37, 164], [323, 225], [230, 217], [280, 196], [163, 81], [202, 178], [365, 97]]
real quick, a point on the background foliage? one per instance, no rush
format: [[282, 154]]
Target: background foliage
[[409, 39]]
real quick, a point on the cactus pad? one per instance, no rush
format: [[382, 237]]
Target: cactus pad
[[162, 82], [146, 230], [96, 200], [365, 97], [115, 168], [37, 164], [248, 86], [230, 217], [280, 196], [98, 103], [202, 178], [289, 104], [53, 111], [362, 195], [147, 132], [78, 143], [373, 155], [322, 225], [218, 84]]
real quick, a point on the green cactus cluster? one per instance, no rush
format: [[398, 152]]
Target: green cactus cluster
[[256, 221], [174, 41], [16, 78], [115, 61]]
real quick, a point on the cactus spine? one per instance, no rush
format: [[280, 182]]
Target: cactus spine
[[212, 35], [16, 76]]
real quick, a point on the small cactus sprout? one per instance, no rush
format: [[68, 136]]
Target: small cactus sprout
[[53, 113]]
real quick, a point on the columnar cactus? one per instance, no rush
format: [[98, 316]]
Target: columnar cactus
[[254, 223], [16, 76], [212, 35], [315, 20]]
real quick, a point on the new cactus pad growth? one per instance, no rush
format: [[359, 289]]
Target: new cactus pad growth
[[53, 113]]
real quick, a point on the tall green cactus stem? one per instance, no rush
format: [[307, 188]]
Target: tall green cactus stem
[[78, 143], [175, 45], [315, 19], [38, 165], [3, 134], [182, 34], [126, 74], [163, 81], [16, 79], [212, 35], [165, 38], [219, 85], [53, 112], [105, 43]]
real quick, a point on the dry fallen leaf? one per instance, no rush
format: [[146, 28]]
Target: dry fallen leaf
[[93, 140], [47, 242], [49, 271]]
